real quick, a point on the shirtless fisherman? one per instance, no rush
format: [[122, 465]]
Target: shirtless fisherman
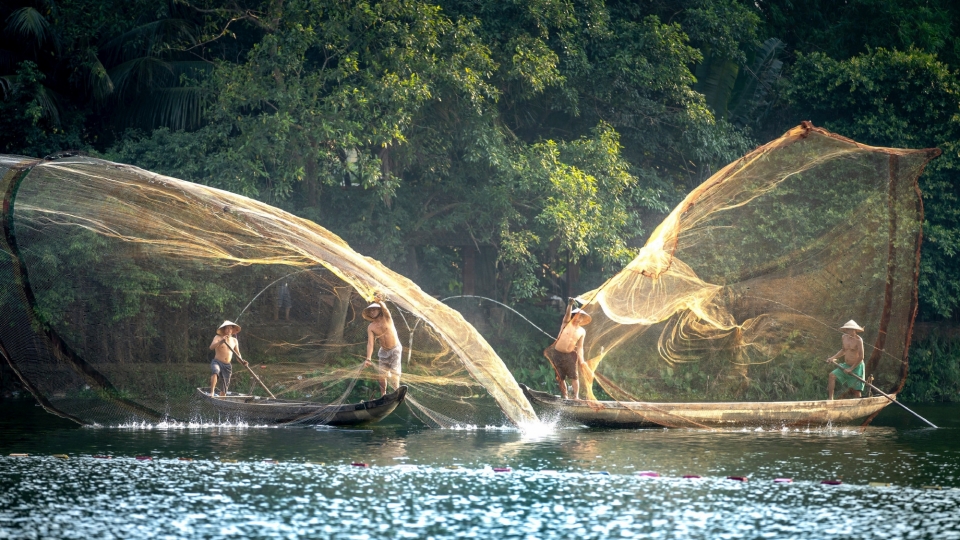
[[852, 353], [381, 328], [220, 365], [566, 353]]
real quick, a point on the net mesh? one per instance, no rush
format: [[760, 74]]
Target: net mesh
[[119, 279], [739, 294]]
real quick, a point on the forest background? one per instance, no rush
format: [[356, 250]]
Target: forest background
[[519, 150]]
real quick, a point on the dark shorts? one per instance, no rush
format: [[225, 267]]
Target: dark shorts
[[223, 370], [564, 363]]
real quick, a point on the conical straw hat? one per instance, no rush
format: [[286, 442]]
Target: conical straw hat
[[366, 311], [226, 324], [852, 325], [585, 317]]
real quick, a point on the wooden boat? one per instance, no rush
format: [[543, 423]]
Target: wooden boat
[[769, 414], [259, 410]]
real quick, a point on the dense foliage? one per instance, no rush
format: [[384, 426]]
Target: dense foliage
[[538, 140]]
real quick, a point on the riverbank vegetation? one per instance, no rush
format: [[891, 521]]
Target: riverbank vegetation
[[517, 150]]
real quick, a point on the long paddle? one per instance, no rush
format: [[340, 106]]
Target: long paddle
[[247, 365], [884, 394]]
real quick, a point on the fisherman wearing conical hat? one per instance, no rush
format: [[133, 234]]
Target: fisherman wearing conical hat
[[381, 328], [224, 344], [566, 353], [852, 353]]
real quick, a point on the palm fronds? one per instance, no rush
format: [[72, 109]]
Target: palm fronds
[[29, 23]]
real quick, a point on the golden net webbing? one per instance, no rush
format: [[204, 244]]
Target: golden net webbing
[[132, 272], [739, 293]]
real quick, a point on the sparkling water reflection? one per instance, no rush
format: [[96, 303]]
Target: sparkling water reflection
[[567, 483]]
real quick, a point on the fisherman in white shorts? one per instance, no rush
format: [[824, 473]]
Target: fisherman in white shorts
[[381, 328]]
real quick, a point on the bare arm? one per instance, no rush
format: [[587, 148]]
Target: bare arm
[[217, 340], [385, 311], [580, 348], [370, 339], [566, 317]]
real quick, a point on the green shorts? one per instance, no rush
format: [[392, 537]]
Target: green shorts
[[849, 380]]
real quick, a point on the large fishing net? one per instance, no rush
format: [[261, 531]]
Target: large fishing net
[[115, 281], [739, 294]]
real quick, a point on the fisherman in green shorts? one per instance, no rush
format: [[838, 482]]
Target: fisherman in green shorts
[[852, 353]]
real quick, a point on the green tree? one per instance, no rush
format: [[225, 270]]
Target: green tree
[[903, 99]]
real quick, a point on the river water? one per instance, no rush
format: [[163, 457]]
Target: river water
[[257, 482]]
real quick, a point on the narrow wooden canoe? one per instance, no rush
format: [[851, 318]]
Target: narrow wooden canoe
[[259, 410], [769, 414]]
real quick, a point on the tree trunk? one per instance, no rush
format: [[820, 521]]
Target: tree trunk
[[385, 167], [469, 270], [573, 278], [413, 266], [338, 315], [486, 272]]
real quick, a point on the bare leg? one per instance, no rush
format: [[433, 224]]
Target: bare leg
[[286, 315], [394, 379], [576, 389], [563, 387], [213, 385], [832, 382], [383, 384], [855, 394]]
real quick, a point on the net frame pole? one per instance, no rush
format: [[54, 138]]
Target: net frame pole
[[57, 344]]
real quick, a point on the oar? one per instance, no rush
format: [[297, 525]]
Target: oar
[[247, 365], [884, 394]]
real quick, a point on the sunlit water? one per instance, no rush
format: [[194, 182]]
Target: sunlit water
[[422, 483]]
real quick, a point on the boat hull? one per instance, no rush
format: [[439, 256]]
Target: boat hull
[[257, 410], [775, 414]]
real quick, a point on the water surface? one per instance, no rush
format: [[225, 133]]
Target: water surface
[[423, 483]]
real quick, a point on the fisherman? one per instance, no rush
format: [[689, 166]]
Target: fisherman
[[224, 344], [566, 353], [381, 328], [852, 365]]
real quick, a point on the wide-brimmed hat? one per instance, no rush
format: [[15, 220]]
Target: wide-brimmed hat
[[852, 325], [366, 311], [585, 317], [226, 324]]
